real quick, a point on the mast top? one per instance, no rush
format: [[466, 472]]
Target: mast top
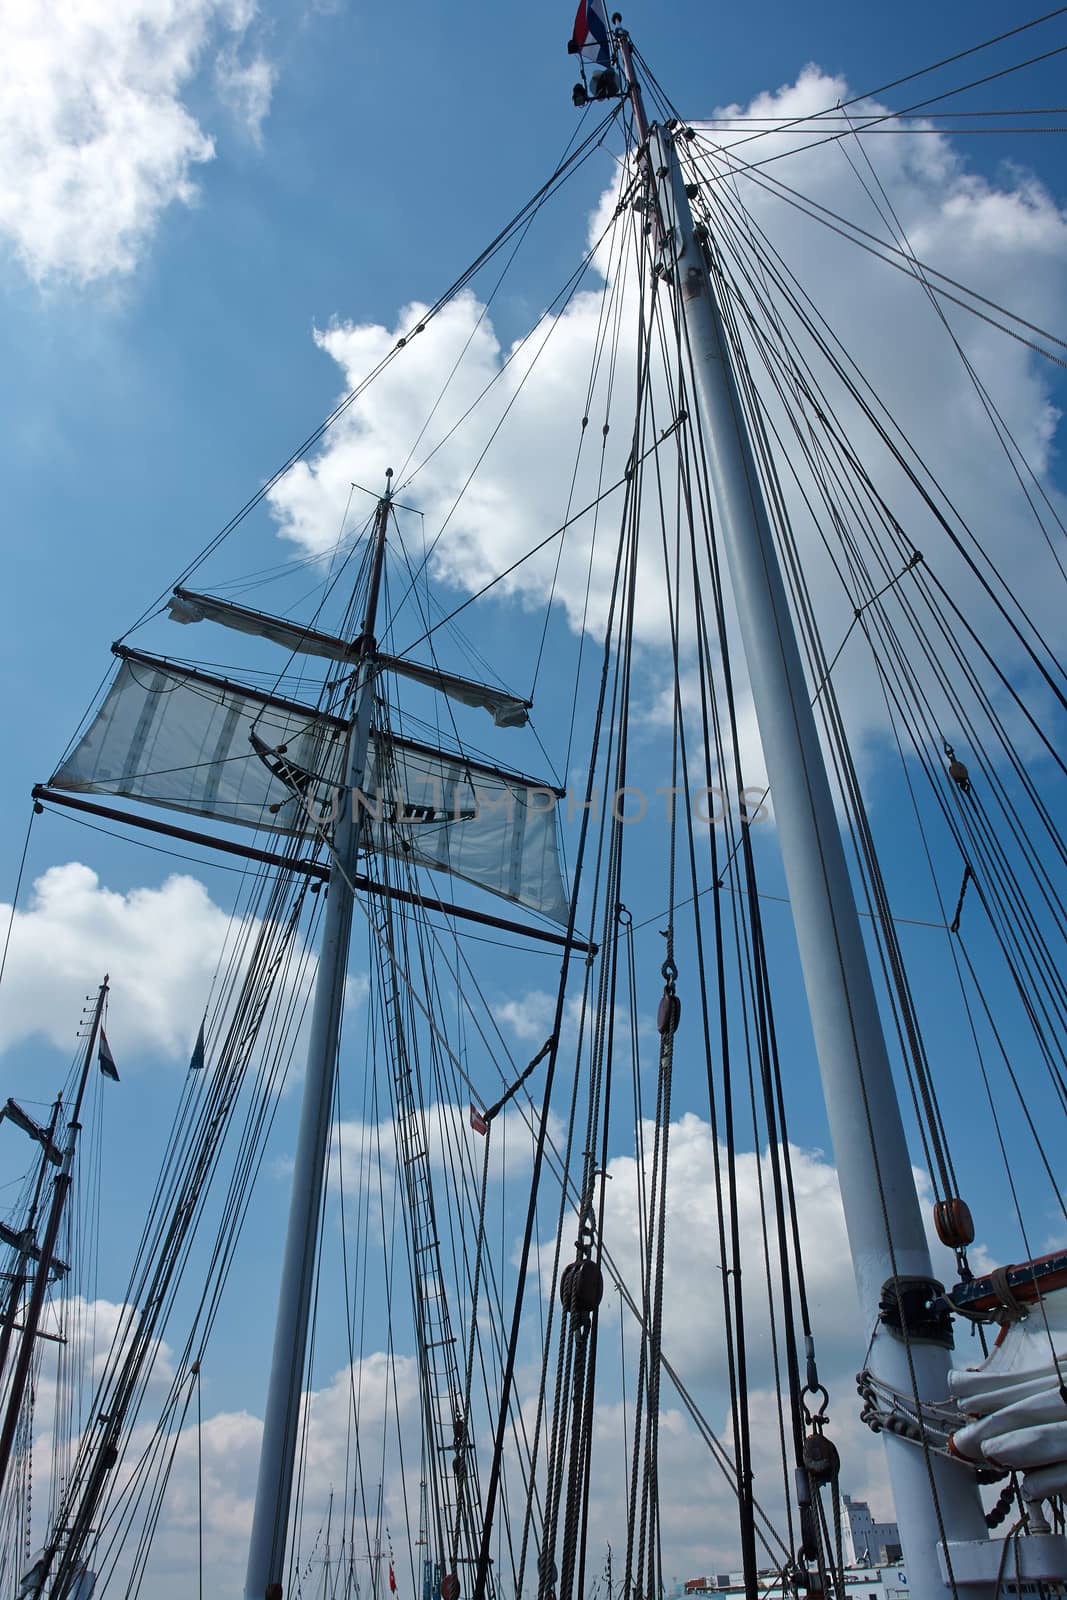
[[366, 644], [594, 41]]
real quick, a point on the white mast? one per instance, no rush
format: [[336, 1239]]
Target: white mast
[[266, 1555], [935, 1498]]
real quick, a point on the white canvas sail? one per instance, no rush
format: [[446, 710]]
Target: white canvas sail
[[487, 826], [182, 739]]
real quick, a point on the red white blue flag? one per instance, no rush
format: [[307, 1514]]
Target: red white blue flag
[[591, 37], [107, 1060]]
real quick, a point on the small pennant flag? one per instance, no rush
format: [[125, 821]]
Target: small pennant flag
[[478, 1121], [392, 1579], [591, 33], [107, 1060], [196, 1060]]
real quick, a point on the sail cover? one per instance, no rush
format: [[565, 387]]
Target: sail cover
[[506, 710], [182, 739], [1012, 1402]]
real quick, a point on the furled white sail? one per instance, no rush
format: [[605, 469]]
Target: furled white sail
[[183, 739], [1016, 1400], [506, 710]]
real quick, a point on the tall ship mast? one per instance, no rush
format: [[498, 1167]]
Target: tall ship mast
[[520, 1175]]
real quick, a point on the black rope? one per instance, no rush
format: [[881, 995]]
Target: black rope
[[512, 1090]]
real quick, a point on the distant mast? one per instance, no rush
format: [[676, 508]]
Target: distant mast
[[64, 1177], [935, 1498]]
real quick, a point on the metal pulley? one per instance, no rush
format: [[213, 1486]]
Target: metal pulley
[[581, 1287], [669, 1013], [821, 1458], [953, 1223], [820, 1464]]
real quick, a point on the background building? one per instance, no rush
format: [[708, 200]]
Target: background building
[[864, 1539]]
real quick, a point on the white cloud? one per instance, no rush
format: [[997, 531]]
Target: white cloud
[[1006, 239], [96, 140], [513, 501], [694, 1268], [247, 87], [531, 1016], [694, 1264], [366, 1149], [700, 1524], [698, 1509], [159, 945], [699, 1516], [89, 1329], [215, 1466]]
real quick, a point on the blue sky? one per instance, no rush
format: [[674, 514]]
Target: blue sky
[[146, 399]]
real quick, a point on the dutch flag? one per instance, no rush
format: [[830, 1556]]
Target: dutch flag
[[591, 37], [107, 1060]]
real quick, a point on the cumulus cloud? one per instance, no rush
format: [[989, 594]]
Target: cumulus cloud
[[367, 1150], [513, 501], [159, 945], [694, 1339], [96, 140], [699, 1514], [694, 1267], [699, 1527], [1006, 238], [530, 1017], [382, 1390], [92, 1332], [213, 1476], [699, 1511]]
